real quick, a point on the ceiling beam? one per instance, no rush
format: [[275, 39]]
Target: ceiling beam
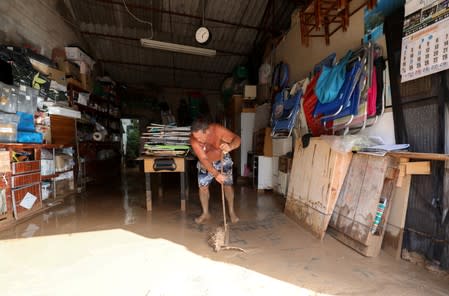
[[138, 40], [141, 87], [198, 17], [163, 67]]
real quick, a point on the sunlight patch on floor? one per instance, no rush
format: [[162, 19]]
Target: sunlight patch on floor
[[118, 262]]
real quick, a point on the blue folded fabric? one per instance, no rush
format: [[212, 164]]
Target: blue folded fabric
[[29, 137], [26, 122]]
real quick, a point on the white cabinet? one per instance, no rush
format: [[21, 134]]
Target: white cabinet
[[281, 146], [246, 136], [264, 172]]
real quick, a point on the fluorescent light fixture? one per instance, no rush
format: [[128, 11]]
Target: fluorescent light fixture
[[177, 47]]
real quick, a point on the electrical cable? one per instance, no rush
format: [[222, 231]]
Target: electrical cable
[[139, 19]]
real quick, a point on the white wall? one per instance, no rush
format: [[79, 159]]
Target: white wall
[[301, 60], [36, 23]]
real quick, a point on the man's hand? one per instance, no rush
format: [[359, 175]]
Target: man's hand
[[220, 178], [225, 148]]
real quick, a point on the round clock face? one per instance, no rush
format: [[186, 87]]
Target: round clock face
[[202, 35]]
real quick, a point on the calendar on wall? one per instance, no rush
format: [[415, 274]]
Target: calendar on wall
[[425, 42]]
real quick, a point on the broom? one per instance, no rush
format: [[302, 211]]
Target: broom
[[219, 240]]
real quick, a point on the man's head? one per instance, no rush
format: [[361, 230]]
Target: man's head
[[200, 129]]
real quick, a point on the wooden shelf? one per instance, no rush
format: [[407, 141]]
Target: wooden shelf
[[105, 100], [42, 146], [82, 107], [49, 177], [76, 85], [99, 142]]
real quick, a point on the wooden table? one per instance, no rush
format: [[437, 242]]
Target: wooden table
[[169, 164]]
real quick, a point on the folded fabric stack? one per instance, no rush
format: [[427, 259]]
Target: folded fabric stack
[[166, 140]]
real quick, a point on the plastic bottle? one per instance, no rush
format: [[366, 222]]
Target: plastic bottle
[[379, 213]]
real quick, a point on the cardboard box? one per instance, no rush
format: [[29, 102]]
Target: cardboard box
[[262, 142], [282, 146], [285, 164], [86, 82], [5, 165], [46, 133], [52, 73], [250, 91], [77, 55], [63, 162], [70, 69]]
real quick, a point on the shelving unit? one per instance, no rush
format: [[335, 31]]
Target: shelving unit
[[24, 179], [97, 160]]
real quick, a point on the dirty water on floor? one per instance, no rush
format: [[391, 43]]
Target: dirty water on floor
[[104, 242]]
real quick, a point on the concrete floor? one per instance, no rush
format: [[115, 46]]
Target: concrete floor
[[105, 243]]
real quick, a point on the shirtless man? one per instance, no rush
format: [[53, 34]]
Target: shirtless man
[[209, 141]]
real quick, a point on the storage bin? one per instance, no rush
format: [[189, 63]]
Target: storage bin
[[8, 102], [8, 127], [27, 99], [46, 190], [47, 167], [29, 137]]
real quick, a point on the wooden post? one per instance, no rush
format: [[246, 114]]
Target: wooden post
[[148, 191], [183, 191], [446, 191]]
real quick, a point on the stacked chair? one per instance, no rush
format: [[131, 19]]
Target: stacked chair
[[341, 97]]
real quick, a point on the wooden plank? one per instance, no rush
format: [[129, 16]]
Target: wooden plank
[[392, 242], [446, 191], [345, 208], [369, 179], [418, 168], [424, 156], [63, 130], [315, 182], [369, 197]]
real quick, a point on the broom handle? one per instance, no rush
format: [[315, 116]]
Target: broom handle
[[222, 194]]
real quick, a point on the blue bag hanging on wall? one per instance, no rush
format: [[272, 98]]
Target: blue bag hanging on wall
[[331, 80]]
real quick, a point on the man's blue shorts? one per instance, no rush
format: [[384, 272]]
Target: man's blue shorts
[[205, 178]]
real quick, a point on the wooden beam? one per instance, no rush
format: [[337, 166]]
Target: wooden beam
[[163, 67], [186, 15], [138, 40], [424, 156], [417, 168]]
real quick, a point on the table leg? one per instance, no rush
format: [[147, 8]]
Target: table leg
[[187, 185], [148, 191], [160, 190], [183, 191]]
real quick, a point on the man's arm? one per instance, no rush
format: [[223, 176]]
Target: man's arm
[[230, 141]]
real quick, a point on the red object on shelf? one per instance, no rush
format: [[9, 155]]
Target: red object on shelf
[[26, 167], [25, 179]]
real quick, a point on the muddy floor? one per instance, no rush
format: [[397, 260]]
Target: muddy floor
[[104, 242]]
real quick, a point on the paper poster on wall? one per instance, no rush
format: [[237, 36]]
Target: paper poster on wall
[[425, 42], [374, 18]]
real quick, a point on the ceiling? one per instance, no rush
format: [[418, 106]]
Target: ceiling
[[238, 29]]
